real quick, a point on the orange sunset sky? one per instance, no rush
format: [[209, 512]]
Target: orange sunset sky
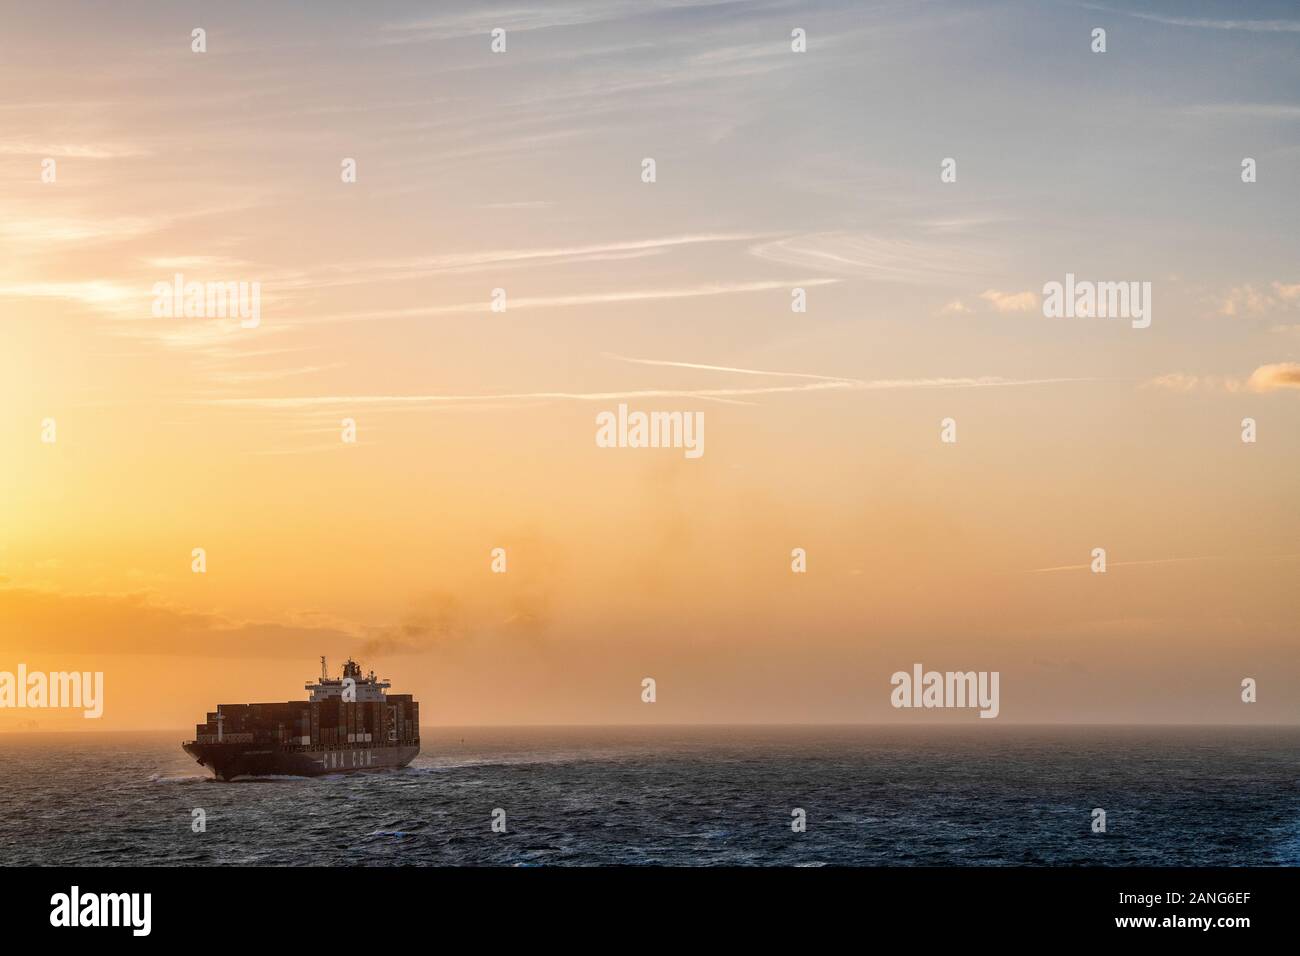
[[475, 429]]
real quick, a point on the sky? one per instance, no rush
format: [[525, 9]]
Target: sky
[[774, 170]]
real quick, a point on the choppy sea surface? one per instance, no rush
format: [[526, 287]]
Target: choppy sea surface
[[685, 796]]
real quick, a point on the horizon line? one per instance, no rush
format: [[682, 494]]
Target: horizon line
[[745, 726]]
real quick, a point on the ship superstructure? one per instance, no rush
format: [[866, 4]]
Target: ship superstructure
[[348, 723]]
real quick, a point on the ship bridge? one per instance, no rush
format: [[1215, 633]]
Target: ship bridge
[[366, 688]]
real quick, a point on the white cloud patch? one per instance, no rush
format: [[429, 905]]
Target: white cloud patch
[[1278, 376], [1010, 301], [1275, 377]]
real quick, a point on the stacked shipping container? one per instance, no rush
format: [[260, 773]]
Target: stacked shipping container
[[322, 724]]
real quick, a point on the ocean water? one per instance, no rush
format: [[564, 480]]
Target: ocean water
[[686, 796]]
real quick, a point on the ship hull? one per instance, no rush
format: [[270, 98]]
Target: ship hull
[[230, 760]]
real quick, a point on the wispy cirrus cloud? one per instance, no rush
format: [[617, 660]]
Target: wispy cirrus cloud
[[814, 383], [235, 377], [495, 257], [59, 150], [38, 229], [1212, 23], [1270, 25], [1154, 561], [662, 363], [520, 204], [102, 295], [859, 255], [568, 300], [1121, 564], [120, 299], [182, 263], [1270, 111], [334, 275], [473, 22]]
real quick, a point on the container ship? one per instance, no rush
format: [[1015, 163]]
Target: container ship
[[349, 723]]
